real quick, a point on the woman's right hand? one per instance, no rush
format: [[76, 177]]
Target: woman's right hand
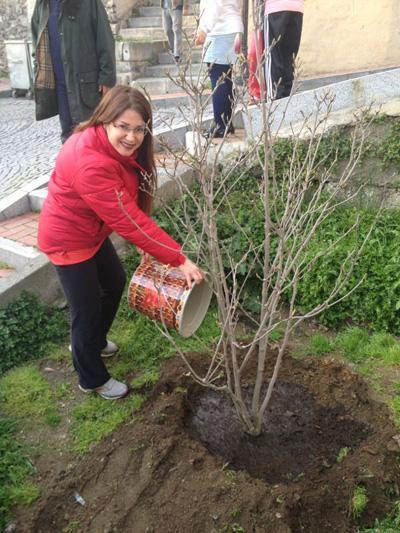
[[191, 272]]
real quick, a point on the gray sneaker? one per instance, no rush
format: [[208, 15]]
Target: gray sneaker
[[111, 390], [110, 349]]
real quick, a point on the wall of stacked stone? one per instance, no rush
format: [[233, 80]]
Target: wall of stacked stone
[[13, 25]]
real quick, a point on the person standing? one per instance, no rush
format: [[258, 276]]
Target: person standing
[[104, 180], [74, 59], [283, 22], [172, 20], [220, 30]]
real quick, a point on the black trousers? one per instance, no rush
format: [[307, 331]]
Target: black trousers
[[93, 289], [282, 34]]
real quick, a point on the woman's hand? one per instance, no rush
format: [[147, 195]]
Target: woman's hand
[[191, 272], [200, 37], [144, 257], [237, 44]]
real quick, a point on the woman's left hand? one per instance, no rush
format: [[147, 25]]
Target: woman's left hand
[[144, 257], [237, 44]]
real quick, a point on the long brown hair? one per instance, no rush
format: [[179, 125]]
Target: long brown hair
[[112, 105]]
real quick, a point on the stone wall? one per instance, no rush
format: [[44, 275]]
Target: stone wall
[[13, 25]]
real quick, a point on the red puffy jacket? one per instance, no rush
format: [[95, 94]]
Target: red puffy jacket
[[82, 208]]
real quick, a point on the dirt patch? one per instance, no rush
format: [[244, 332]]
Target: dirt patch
[[154, 475], [298, 436]]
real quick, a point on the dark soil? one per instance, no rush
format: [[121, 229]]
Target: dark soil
[[298, 436], [185, 465]]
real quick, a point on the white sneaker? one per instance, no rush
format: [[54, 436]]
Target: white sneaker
[[111, 390], [108, 351]]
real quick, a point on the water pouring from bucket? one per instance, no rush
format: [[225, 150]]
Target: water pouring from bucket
[[161, 293]]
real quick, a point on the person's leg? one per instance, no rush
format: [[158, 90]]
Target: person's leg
[[112, 280], [93, 290], [82, 290], [177, 29], [290, 47], [167, 25], [64, 112], [282, 36], [222, 95]]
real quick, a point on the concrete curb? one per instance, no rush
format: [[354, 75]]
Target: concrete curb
[[18, 203], [351, 95]]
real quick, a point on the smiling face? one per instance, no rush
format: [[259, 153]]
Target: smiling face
[[126, 133]]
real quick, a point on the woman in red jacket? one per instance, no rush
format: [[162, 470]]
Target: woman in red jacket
[[104, 181]]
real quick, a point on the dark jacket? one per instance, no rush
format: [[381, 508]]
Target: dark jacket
[[87, 51]]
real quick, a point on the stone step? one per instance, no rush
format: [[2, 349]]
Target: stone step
[[155, 11], [140, 51], [156, 3], [156, 22], [165, 58], [160, 85], [150, 34], [157, 71]]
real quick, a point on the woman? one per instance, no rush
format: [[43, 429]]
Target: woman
[[103, 181], [220, 30]]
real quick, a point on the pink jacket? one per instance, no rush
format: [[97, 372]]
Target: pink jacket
[[272, 6]]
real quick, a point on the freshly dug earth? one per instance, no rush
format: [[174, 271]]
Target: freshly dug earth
[[185, 465]]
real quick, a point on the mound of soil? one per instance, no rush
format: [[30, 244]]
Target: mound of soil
[[185, 465]]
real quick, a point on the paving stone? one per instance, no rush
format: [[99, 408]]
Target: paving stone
[[28, 148]]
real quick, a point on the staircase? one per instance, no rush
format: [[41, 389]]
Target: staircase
[[143, 59]]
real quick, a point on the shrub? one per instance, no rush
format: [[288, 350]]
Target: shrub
[[26, 328]]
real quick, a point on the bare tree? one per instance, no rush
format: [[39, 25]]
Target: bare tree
[[292, 206]]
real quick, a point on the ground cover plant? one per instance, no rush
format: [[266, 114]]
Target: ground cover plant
[[26, 329]]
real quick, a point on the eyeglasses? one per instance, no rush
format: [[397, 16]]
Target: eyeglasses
[[140, 130]]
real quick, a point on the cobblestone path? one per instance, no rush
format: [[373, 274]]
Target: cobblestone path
[[27, 148]]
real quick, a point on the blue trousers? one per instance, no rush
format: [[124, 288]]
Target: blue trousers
[[222, 97], [64, 112]]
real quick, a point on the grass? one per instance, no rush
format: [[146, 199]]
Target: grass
[[342, 454], [320, 345], [359, 501], [143, 347], [95, 418], [26, 395], [15, 467], [395, 404], [358, 346], [390, 524]]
